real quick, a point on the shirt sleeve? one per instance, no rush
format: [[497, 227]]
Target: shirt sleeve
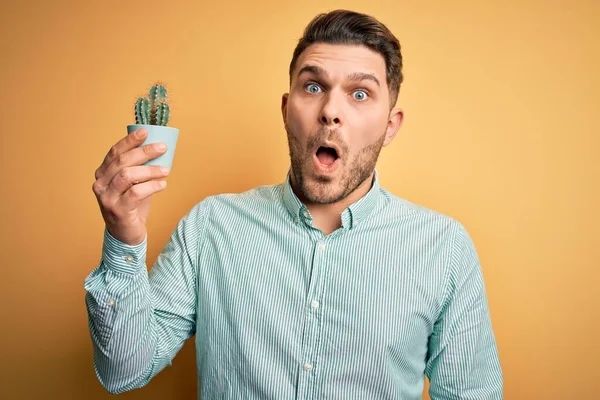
[[139, 320], [463, 360]]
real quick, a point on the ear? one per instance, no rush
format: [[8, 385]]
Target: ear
[[394, 123], [284, 100]]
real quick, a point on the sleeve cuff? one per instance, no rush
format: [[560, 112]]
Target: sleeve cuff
[[121, 257]]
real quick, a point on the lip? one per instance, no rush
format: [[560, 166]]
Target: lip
[[326, 169], [332, 145]]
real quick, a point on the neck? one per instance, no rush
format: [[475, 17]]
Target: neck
[[328, 217]]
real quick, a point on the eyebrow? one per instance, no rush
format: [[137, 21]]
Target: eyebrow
[[355, 76]]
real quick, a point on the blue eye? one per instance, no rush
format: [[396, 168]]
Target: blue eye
[[360, 95], [312, 88]]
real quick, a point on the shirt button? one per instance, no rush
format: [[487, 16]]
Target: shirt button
[[315, 304], [307, 366], [129, 259], [321, 246], [111, 303], [306, 213]]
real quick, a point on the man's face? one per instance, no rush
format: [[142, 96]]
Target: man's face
[[338, 99]]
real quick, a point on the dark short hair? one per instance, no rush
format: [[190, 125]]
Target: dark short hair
[[350, 27]]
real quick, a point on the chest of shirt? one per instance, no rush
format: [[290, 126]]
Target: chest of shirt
[[352, 287]]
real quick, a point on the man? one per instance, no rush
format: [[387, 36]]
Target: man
[[323, 286]]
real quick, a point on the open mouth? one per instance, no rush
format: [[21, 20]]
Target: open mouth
[[327, 155]]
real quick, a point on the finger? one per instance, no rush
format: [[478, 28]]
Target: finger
[[125, 180], [129, 142], [131, 199], [128, 177], [134, 157]]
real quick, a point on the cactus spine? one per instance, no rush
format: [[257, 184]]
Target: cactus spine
[[153, 110], [142, 111], [162, 114]]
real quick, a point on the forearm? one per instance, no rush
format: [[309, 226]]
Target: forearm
[[122, 321], [139, 320]]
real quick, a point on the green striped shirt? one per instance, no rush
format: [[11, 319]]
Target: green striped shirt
[[281, 311]]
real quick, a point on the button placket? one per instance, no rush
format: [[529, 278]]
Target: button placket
[[312, 333]]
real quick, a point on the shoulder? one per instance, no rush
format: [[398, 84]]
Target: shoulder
[[427, 227], [443, 239], [401, 210], [259, 198]]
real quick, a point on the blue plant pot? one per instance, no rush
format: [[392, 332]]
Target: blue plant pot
[[156, 134]]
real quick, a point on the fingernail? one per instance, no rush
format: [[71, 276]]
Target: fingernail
[[164, 170], [160, 146], [139, 133]]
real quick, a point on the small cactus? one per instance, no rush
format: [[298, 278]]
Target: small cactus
[[142, 111], [154, 109], [162, 113]]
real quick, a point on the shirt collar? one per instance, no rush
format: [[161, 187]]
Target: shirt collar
[[351, 216]]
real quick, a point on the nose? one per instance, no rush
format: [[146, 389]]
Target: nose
[[331, 110]]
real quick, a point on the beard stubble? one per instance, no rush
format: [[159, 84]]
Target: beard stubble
[[321, 189]]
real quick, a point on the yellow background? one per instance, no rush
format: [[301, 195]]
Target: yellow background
[[501, 132]]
